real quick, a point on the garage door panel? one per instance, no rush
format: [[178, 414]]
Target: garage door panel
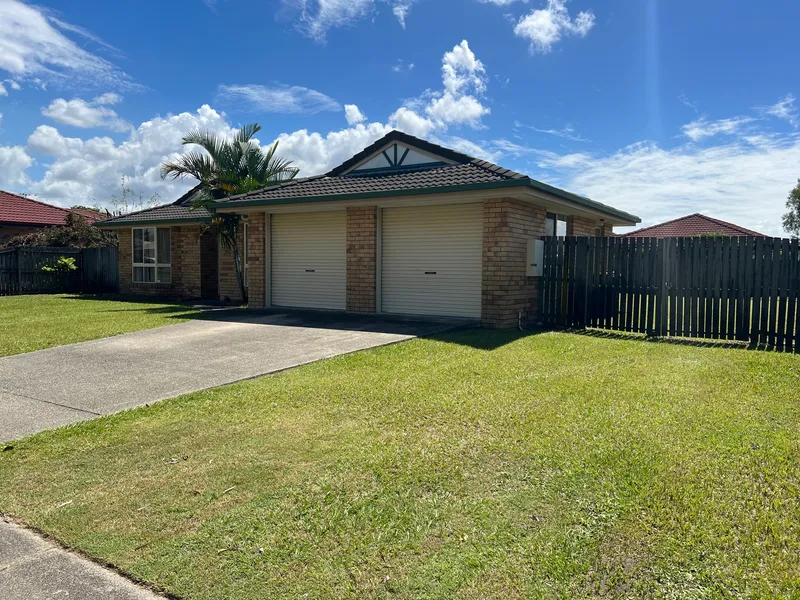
[[431, 260], [309, 260]]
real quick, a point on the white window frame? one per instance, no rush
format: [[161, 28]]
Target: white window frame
[[154, 265]]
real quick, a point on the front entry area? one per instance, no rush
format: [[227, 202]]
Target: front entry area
[[431, 260], [309, 265]]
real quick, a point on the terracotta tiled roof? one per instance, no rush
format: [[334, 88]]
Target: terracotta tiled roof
[[27, 211], [691, 226]]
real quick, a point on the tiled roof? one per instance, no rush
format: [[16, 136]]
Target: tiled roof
[[467, 173], [180, 210], [691, 226], [18, 209], [413, 179]]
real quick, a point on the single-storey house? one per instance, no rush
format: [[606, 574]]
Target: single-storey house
[[403, 227], [20, 215], [692, 226]]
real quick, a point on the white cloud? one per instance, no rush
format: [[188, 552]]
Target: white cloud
[[702, 128], [461, 69], [32, 46], [686, 102], [315, 18], [88, 171], [3, 90], [80, 113], [735, 181], [500, 2], [567, 132], [277, 98], [546, 26], [13, 163], [353, 114], [463, 79], [449, 109], [108, 98], [316, 153], [401, 10], [401, 66], [784, 109]]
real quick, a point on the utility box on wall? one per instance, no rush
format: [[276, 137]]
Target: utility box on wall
[[535, 265]]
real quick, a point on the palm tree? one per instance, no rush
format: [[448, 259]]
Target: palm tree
[[225, 168]]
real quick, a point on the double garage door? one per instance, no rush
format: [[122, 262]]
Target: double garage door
[[430, 260]]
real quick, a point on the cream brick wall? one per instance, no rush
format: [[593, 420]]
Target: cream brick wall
[[507, 226], [362, 235]]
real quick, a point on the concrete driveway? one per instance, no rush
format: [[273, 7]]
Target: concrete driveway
[[49, 388]]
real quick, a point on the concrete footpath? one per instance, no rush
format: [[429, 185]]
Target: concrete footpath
[[33, 568]]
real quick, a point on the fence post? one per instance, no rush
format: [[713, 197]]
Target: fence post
[[661, 305]]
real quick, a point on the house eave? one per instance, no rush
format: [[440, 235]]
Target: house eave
[[141, 222], [619, 217]]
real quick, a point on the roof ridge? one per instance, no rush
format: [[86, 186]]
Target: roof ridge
[[41, 202], [726, 224]]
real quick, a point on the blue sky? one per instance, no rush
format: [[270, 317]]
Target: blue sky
[[661, 108]]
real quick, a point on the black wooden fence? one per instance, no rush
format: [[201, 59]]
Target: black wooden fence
[[724, 288], [21, 271]]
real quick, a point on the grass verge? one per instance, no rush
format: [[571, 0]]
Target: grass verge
[[474, 465], [42, 321]]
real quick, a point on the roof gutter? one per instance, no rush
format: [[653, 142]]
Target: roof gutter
[[489, 185], [140, 222]]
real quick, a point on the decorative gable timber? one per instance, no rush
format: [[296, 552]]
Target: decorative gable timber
[[396, 156]]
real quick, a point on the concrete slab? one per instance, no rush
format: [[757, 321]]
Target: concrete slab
[[20, 416], [32, 568], [53, 387]]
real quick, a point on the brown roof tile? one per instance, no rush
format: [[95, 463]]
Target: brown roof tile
[[692, 226]]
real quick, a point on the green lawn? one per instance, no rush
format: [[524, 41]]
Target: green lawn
[[477, 465], [35, 322]]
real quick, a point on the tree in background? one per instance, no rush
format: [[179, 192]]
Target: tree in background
[[226, 168], [75, 233], [129, 201], [791, 220]]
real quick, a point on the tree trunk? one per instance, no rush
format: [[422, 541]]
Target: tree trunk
[[239, 277]]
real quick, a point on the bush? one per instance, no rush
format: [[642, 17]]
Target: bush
[[75, 233]]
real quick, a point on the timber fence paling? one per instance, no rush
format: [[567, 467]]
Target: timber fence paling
[[721, 288], [23, 270]]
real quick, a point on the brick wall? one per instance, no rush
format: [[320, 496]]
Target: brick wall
[[256, 289], [582, 226], [185, 259], [362, 235], [507, 290], [228, 284], [7, 232]]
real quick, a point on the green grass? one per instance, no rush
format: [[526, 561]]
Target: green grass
[[35, 322], [477, 465]]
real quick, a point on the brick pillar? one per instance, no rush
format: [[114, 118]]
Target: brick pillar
[[186, 260], [507, 290], [582, 226], [125, 260], [256, 286], [362, 236]]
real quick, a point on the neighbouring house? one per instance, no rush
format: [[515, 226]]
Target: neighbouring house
[[403, 227], [20, 215], [693, 226]]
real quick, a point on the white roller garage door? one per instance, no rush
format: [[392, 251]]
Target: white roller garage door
[[431, 260], [308, 260]]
